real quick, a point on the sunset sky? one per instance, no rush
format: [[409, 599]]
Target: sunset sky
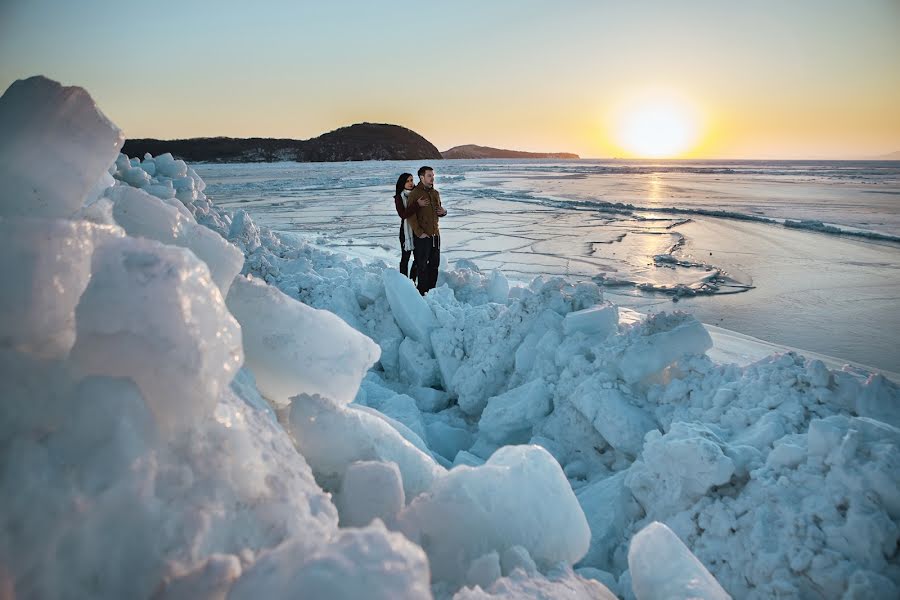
[[692, 79]]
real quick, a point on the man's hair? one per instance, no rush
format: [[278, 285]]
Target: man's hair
[[423, 169]]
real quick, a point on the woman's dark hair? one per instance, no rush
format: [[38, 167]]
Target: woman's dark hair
[[401, 182]]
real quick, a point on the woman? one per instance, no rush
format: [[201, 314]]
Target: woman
[[405, 183]]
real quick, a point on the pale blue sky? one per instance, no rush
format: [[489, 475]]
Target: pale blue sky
[[769, 78]]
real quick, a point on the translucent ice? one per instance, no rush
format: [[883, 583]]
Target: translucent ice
[[143, 215], [45, 265], [473, 511], [332, 437], [662, 566], [152, 313], [408, 307], [292, 348], [54, 146]]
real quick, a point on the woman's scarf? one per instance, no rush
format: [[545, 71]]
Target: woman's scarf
[[407, 230]]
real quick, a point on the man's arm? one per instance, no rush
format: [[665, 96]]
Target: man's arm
[[439, 210], [413, 221]]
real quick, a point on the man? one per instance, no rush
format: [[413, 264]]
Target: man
[[424, 225]]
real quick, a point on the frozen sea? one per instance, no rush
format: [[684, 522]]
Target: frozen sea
[[711, 236]]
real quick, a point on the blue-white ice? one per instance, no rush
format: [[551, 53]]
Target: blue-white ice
[[303, 437], [647, 232]]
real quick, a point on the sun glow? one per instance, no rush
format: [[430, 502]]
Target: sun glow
[[657, 127]]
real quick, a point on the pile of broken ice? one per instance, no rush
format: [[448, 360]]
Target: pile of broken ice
[[197, 407]]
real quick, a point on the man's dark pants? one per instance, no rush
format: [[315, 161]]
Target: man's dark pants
[[427, 254]]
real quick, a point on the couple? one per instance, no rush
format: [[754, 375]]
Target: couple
[[420, 208]]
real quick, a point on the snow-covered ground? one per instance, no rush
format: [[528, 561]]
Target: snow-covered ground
[[196, 406]]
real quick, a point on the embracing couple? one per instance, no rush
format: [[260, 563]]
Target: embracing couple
[[419, 207]]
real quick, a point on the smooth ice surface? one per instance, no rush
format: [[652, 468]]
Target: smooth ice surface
[[293, 348], [54, 145], [661, 566], [620, 222]]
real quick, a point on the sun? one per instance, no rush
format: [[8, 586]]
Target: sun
[[657, 128]]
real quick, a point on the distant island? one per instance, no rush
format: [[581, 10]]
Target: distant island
[[473, 151], [363, 141], [891, 156]]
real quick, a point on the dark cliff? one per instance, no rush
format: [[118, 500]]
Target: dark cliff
[[363, 141]]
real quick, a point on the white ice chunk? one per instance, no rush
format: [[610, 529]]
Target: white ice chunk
[[484, 570], [519, 497], [103, 183], [211, 578], [598, 322], [447, 354], [370, 563], [244, 231], [678, 468], [54, 146], [621, 423], [408, 434], [498, 287], [135, 177], [332, 437], [152, 313], [408, 307], [468, 459], [447, 440], [429, 399], [515, 411], [880, 399], [162, 190], [517, 557], [292, 348], [609, 508], [143, 215], [402, 408], [149, 165], [560, 583], [370, 490], [417, 367], [168, 166], [45, 265], [668, 338], [661, 566]]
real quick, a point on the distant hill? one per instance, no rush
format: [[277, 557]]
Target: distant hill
[[473, 151], [363, 141], [891, 156]]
